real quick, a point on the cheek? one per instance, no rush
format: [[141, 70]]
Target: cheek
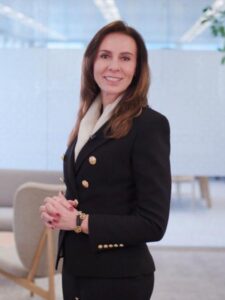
[[130, 72], [94, 69], [96, 72], [98, 69]]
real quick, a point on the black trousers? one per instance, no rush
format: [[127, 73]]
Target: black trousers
[[89, 288]]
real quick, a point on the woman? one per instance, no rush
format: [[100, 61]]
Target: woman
[[116, 171]]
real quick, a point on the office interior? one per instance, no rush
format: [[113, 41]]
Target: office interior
[[41, 47]]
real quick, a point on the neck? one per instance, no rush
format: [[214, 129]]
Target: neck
[[108, 99]]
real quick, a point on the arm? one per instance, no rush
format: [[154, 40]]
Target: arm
[[151, 171]]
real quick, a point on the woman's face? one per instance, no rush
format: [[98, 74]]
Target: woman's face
[[115, 65]]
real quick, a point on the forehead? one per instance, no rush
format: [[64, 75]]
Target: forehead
[[119, 42]]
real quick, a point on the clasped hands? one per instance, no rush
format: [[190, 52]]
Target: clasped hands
[[59, 213]]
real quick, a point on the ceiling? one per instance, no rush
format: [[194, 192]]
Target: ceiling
[[73, 22]]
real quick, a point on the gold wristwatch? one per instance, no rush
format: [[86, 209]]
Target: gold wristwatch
[[80, 217]]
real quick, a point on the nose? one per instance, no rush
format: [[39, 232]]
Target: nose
[[114, 65]]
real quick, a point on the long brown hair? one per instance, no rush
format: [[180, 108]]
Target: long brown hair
[[135, 96]]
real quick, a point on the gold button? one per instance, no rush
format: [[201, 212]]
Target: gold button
[[92, 160], [121, 245], [85, 184], [110, 245], [106, 246], [100, 246], [115, 245]]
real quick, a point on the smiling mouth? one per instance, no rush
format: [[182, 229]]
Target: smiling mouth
[[112, 78]]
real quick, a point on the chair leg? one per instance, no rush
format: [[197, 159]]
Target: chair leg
[[31, 292], [193, 193], [204, 187], [51, 267], [37, 256], [178, 188], [28, 282]]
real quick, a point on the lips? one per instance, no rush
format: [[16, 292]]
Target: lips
[[112, 78]]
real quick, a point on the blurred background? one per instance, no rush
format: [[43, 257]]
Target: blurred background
[[41, 47]]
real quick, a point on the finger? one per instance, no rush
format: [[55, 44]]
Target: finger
[[49, 225], [53, 201], [46, 217], [64, 202], [74, 202], [48, 199], [42, 208], [46, 220], [55, 225], [68, 203], [59, 203], [50, 209]]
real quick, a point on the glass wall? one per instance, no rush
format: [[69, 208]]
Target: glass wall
[[41, 48]]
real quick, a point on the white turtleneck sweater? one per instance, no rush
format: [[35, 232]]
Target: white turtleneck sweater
[[92, 121]]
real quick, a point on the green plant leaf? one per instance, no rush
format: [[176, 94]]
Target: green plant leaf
[[207, 8], [217, 28], [222, 30], [214, 30]]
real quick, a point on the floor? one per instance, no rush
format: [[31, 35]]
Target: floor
[[180, 275], [189, 274], [192, 223]]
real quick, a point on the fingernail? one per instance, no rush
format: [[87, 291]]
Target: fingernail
[[76, 201]]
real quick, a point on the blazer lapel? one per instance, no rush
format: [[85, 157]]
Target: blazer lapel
[[95, 141]]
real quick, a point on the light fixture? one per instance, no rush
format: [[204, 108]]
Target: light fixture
[[29, 22], [108, 9]]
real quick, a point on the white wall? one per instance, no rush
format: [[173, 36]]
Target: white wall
[[39, 94], [189, 87]]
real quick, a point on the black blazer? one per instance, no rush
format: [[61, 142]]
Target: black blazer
[[124, 185]]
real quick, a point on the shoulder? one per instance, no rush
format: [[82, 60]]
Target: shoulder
[[150, 118], [151, 133]]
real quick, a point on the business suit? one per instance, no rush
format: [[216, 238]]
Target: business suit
[[124, 185]]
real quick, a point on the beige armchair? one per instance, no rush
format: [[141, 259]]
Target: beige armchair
[[35, 245]]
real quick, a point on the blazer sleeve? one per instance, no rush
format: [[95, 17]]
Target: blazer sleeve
[[152, 177]]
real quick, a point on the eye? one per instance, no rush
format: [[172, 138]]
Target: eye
[[125, 58], [104, 55]]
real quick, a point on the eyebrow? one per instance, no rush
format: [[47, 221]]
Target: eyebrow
[[123, 53]]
